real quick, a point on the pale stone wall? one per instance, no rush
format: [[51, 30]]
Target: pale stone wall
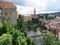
[[27, 17], [10, 14]]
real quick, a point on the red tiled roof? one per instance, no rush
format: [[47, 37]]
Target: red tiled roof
[[52, 22], [8, 4]]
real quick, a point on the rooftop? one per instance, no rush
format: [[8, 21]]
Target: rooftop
[[6, 4]]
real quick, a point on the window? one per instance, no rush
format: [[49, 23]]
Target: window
[[10, 13], [5, 13], [8, 17]]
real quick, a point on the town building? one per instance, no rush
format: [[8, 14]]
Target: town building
[[55, 28], [28, 17], [8, 11]]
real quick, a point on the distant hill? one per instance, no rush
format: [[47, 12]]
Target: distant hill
[[56, 13]]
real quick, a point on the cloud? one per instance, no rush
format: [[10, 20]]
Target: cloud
[[30, 10], [42, 5], [53, 5], [27, 6], [11, 0], [24, 10], [34, 3]]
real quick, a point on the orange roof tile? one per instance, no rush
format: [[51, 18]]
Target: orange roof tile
[[8, 4]]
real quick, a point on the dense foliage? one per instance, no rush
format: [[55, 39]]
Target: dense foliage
[[35, 20], [6, 39], [49, 39], [42, 25], [36, 23], [21, 24], [29, 25], [11, 35]]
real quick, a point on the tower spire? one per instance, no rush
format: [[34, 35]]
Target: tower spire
[[34, 11]]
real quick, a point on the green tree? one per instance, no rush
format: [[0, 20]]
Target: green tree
[[29, 42], [13, 31], [34, 42], [58, 42], [21, 40], [2, 28], [49, 39], [21, 24], [29, 25], [35, 20], [6, 39], [42, 25], [10, 33]]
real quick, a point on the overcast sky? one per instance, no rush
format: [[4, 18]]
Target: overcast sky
[[42, 6]]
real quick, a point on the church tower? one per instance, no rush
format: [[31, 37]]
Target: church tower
[[34, 14], [34, 11]]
